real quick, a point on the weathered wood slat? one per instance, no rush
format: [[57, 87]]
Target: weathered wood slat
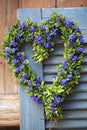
[[31, 114], [9, 110]]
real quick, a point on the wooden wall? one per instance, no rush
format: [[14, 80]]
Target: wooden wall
[[8, 9]]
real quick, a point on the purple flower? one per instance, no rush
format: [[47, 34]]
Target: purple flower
[[37, 85], [35, 98], [70, 44], [73, 57], [18, 54], [54, 77], [57, 20], [52, 110], [14, 61], [31, 37], [8, 30], [81, 39], [22, 26], [6, 49], [18, 36], [61, 70], [72, 38], [57, 99], [43, 27], [68, 75], [13, 43], [17, 70], [21, 80], [53, 32], [48, 37], [80, 49], [7, 56], [32, 29], [76, 29], [30, 82], [73, 71], [38, 39], [13, 50], [52, 105], [65, 64], [47, 45], [63, 82], [46, 34], [24, 75], [68, 23]]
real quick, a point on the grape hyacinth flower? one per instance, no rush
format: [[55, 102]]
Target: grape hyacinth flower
[[47, 45], [13, 43], [61, 70], [72, 38], [73, 71], [18, 36], [32, 29], [13, 50], [79, 49], [43, 27], [23, 77], [68, 23], [81, 39], [63, 82], [57, 19], [37, 82], [35, 98], [22, 26], [48, 37], [38, 39]]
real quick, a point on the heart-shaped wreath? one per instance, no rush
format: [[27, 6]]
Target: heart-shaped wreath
[[42, 40]]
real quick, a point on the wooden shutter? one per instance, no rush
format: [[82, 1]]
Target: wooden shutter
[[75, 105]]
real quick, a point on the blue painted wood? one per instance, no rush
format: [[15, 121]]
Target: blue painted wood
[[75, 105], [31, 114]]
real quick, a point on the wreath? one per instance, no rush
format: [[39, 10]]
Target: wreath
[[42, 38]]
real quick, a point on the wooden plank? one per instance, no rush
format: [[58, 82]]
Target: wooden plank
[[71, 3], [9, 110], [36, 4], [67, 124], [10, 82], [2, 27], [33, 116]]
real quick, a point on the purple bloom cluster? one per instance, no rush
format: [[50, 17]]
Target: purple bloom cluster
[[35, 98], [76, 29], [68, 75], [18, 36], [73, 71], [13, 43], [47, 45], [30, 82], [17, 70], [68, 23], [73, 57], [38, 39], [79, 49], [56, 101], [13, 50], [63, 82], [7, 56], [20, 56], [72, 38], [81, 39], [31, 37], [15, 62], [37, 82], [23, 77], [22, 26], [43, 27], [6, 49], [65, 64], [53, 32], [32, 29], [57, 19]]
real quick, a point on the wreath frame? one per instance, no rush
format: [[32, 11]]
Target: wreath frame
[[42, 38]]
